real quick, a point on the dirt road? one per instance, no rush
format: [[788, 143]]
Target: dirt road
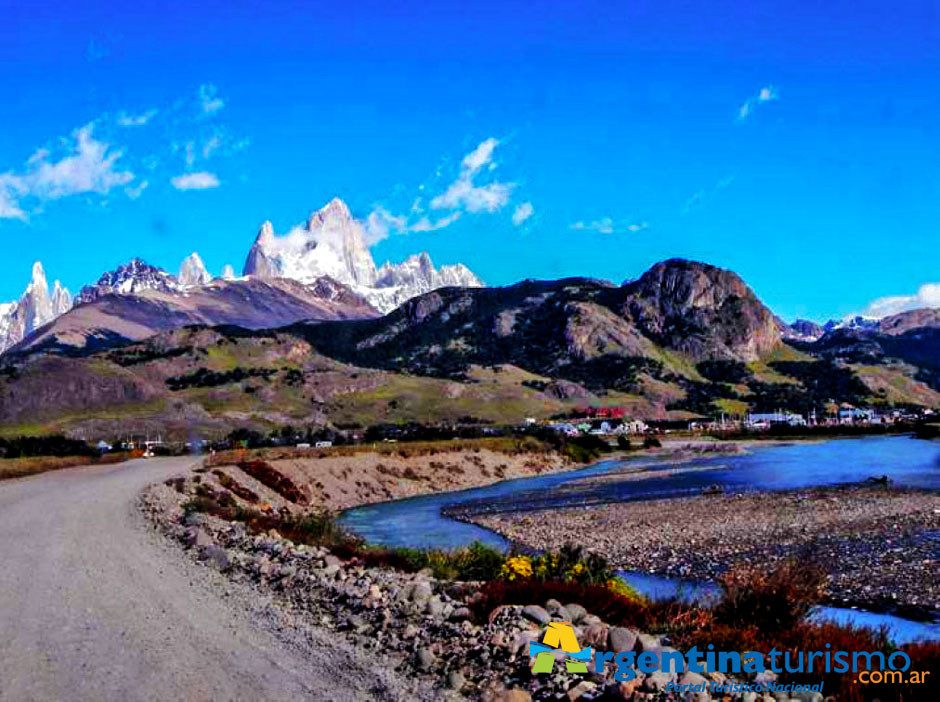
[[93, 606]]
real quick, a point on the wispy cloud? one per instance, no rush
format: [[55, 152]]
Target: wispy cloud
[[85, 166], [128, 120], [464, 193], [700, 197], [209, 99], [472, 192], [135, 191], [201, 180], [766, 94], [607, 225], [927, 295], [522, 213]]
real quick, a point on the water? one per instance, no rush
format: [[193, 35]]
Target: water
[[900, 630], [418, 522]]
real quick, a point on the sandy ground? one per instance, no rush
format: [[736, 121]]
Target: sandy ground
[[96, 605], [880, 546], [338, 481]]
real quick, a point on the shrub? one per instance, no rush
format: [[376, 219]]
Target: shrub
[[772, 601]]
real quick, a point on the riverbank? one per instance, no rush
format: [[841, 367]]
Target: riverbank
[[348, 476], [879, 545]]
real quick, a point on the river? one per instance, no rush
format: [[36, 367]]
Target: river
[[417, 522]]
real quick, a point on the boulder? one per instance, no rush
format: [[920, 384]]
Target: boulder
[[536, 614], [576, 612], [621, 639]]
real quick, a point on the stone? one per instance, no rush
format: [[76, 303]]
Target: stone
[[425, 659], [576, 612], [645, 642], [215, 555], [690, 678], [421, 592], [456, 680], [514, 695], [590, 620], [581, 689], [330, 560], [657, 681], [552, 605], [561, 615], [621, 639], [460, 614], [197, 537], [536, 614], [595, 636], [435, 607], [521, 643]]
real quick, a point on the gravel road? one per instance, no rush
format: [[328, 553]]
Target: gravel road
[[94, 606]]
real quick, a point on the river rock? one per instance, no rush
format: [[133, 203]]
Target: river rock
[[621, 639], [456, 680], [536, 614], [425, 659], [581, 689], [215, 555], [576, 612]]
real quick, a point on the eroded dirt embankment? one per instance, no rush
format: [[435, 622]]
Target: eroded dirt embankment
[[341, 478]]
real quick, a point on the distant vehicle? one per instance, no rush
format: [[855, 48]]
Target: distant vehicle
[[324, 444], [148, 453], [304, 445]]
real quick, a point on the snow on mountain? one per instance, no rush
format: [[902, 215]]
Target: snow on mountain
[[853, 322], [193, 271], [332, 243], [228, 272], [132, 277], [35, 308]]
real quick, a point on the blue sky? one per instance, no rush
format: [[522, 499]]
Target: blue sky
[[796, 143]]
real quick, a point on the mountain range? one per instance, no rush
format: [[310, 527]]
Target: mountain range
[[144, 351], [321, 270]]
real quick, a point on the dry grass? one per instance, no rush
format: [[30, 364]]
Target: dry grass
[[512, 446], [22, 467]]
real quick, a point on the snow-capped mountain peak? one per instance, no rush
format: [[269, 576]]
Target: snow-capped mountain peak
[[193, 271], [132, 277], [35, 308], [332, 243]]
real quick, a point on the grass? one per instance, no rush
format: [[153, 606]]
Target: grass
[[512, 446], [34, 465]]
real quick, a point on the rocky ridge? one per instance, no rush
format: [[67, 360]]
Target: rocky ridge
[[35, 308]]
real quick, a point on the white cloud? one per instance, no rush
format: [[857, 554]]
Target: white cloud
[[209, 99], [381, 223], [127, 120], [465, 194], [928, 295], [522, 213], [87, 166], [201, 180], [134, 192], [425, 224], [11, 189], [766, 94], [701, 196], [606, 225]]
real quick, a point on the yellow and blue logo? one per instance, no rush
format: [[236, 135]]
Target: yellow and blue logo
[[559, 636]]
